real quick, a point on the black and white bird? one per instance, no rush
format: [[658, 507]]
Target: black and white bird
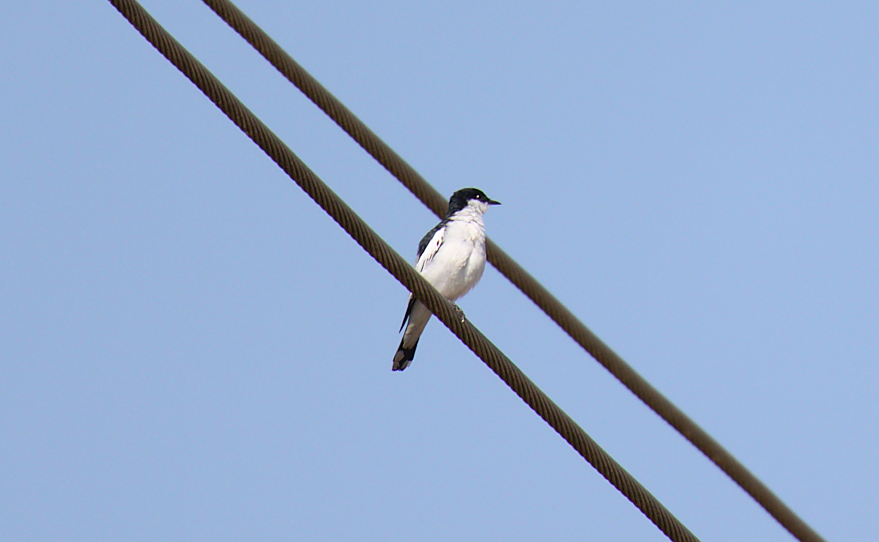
[[452, 258]]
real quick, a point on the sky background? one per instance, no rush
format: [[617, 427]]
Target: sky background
[[192, 350]]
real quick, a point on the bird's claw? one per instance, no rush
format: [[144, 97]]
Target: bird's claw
[[460, 313]]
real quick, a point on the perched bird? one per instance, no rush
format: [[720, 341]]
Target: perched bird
[[452, 258]]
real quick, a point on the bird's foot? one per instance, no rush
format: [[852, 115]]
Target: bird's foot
[[460, 313]]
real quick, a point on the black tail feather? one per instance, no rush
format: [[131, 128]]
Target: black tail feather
[[403, 357]]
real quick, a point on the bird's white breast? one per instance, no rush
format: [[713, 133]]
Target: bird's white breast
[[460, 261]]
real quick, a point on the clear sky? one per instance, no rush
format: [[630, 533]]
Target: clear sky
[[192, 350]]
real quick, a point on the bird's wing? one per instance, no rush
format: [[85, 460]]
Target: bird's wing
[[408, 311], [427, 249], [429, 246]]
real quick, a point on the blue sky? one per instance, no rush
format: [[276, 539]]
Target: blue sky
[[192, 350]]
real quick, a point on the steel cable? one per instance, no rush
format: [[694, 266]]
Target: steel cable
[[538, 294], [401, 270]]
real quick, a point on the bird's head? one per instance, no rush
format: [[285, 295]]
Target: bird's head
[[470, 197]]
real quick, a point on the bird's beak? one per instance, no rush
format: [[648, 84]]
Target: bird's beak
[[492, 202]]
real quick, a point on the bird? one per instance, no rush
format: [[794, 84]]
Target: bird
[[451, 257]]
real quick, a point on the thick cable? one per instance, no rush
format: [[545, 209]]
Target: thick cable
[[538, 294], [401, 270]]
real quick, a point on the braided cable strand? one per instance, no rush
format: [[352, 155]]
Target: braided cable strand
[[330, 105], [402, 271], [538, 294]]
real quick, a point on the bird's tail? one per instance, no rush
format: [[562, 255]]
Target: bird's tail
[[404, 356], [418, 316]]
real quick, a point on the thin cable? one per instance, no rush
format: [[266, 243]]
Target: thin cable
[[428, 195], [402, 270]]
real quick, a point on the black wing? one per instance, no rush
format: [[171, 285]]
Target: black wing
[[427, 248], [408, 311], [428, 237]]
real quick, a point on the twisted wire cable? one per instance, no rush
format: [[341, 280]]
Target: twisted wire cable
[[538, 294], [402, 270]]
